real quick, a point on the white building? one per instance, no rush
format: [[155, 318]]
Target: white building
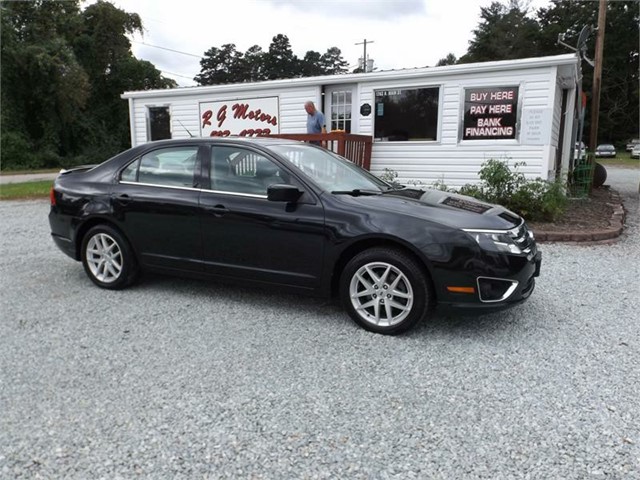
[[427, 124]]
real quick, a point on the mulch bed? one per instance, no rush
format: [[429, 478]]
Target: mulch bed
[[592, 212], [597, 217]]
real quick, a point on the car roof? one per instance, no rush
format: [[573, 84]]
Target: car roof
[[261, 141]]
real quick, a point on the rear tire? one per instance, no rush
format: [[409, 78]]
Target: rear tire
[[385, 291], [107, 258]]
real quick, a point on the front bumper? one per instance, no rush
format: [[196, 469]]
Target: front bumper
[[522, 279]]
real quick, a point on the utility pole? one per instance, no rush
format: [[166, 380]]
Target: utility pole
[[364, 59], [597, 76]]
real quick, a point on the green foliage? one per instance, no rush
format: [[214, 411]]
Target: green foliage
[[63, 71], [509, 30], [450, 59], [226, 65], [535, 200], [505, 32]]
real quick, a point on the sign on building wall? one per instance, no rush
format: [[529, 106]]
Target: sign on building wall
[[490, 113], [248, 117], [536, 126]]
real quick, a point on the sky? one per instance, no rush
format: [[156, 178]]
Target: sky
[[404, 33]]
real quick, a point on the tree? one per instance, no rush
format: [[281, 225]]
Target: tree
[[311, 64], [450, 59], [226, 65], [505, 32], [104, 51], [44, 88], [332, 62], [254, 64], [280, 61], [619, 103], [63, 71], [222, 65]]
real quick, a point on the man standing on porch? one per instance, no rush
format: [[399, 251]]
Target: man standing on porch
[[315, 119]]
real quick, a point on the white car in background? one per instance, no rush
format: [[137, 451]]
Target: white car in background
[[633, 143], [635, 152]]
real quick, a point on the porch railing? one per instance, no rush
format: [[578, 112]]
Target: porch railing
[[356, 148]]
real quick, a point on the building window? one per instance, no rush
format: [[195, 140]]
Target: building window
[[407, 114], [159, 123], [341, 111]]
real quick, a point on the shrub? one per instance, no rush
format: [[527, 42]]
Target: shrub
[[535, 200]]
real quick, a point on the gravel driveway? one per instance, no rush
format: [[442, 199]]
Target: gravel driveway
[[186, 379]]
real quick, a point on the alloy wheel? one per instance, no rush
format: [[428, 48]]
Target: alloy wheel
[[104, 258], [381, 294]]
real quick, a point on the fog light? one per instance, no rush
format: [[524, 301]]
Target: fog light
[[495, 289]]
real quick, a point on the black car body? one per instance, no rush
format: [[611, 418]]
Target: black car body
[[278, 212]]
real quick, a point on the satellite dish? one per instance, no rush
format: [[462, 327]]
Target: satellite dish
[[586, 31]]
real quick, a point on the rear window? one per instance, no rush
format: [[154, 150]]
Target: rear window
[[173, 167]]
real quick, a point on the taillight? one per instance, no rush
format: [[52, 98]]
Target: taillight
[[52, 197]]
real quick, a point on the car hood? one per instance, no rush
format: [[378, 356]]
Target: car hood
[[450, 209]]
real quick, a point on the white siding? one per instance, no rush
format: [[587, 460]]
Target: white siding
[[451, 160], [186, 109]]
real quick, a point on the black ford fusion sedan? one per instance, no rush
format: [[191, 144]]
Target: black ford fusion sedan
[[269, 211]]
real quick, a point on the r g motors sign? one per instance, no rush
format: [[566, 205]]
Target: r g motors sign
[[490, 113], [248, 117]]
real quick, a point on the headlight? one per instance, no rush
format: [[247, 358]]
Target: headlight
[[495, 241]]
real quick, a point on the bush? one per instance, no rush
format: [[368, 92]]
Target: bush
[[17, 152], [535, 200]]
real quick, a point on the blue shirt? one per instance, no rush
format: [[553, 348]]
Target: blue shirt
[[315, 122]]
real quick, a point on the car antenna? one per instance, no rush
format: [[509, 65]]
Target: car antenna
[[181, 124]]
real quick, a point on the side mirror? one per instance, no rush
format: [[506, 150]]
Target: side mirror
[[283, 193]]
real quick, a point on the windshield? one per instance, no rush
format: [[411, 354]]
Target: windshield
[[329, 171]]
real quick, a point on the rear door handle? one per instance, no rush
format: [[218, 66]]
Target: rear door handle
[[123, 199]]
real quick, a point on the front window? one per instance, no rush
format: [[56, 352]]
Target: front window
[[241, 171], [407, 114], [329, 171]]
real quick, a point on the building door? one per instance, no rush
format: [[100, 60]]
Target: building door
[[340, 104]]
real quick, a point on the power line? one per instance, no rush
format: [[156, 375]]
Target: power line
[[176, 74], [168, 49]]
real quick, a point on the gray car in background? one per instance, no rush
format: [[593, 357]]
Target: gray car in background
[[605, 150]]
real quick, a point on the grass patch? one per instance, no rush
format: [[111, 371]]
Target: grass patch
[[623, 159], [23, 172], [15, 191]]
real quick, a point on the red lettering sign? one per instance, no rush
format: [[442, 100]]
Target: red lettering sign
[[206, 117], [241, 110], [222, 115]]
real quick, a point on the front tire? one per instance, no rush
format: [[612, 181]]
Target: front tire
[[107, 258], [385, 291]]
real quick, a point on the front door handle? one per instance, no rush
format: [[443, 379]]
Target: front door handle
[[218, 210]]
